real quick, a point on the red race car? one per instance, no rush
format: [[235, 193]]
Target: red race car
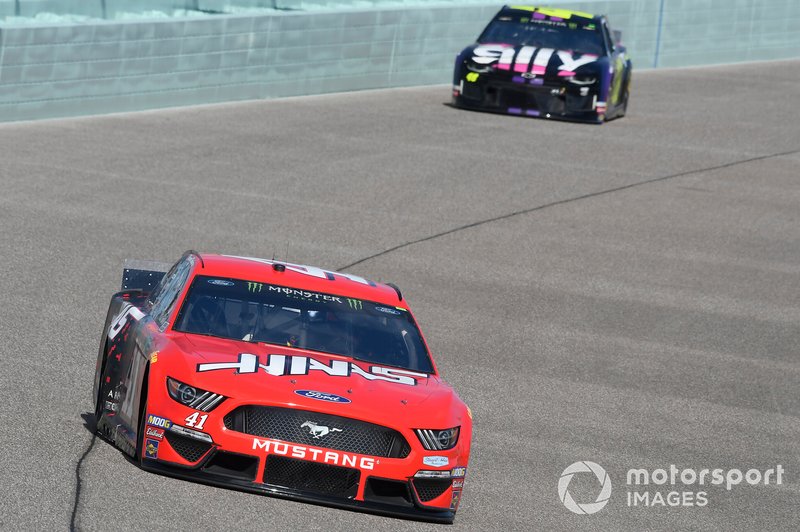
[[283, 379]]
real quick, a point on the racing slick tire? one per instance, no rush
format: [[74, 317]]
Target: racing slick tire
[[627, 97], [99, 400], [140, 432]]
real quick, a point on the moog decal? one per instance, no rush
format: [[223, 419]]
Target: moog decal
[[283, 365], [158, 421]]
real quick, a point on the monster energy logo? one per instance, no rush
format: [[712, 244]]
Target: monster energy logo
[[254, 287], [355, 304]]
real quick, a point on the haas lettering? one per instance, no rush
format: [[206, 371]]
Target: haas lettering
[[282, 365]]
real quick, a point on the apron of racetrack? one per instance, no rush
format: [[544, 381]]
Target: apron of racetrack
[[633, 326]]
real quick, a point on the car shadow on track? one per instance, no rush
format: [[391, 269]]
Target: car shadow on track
[[89, 422]]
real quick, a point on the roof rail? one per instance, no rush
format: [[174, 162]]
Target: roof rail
[[399, 295], [195, 253]]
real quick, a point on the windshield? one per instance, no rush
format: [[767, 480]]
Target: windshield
[[259, 312], [581, 37]]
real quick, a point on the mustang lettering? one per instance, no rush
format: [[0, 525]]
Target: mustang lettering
[[316, 455]]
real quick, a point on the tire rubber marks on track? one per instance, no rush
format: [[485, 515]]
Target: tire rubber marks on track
[[565, 201]]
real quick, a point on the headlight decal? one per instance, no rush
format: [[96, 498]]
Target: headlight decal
[[438, 440], [193, 397], [480, 69], [582, 80]]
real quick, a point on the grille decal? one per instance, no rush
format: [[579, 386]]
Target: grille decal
[[344, 434]]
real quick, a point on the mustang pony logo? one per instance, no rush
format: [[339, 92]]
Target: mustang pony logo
[[318, 431]]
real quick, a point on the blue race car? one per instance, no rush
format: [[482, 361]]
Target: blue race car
[[544, 62]]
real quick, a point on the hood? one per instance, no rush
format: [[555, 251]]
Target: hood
[[530, 61], [311, 380]]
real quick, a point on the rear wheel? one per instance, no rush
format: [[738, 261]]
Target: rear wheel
[[99, 400], [627, 97]]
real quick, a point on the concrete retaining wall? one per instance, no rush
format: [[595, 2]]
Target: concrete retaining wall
[[99, 67]]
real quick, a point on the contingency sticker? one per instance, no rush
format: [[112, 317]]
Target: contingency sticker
[[454, 501], [458, 472], [153, 432], [151, 448], [436, 461]]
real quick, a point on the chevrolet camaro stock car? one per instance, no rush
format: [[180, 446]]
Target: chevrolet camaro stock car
[[543, 62], [282, 379]]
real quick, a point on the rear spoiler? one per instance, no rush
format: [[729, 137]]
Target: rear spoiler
[[143, 275]]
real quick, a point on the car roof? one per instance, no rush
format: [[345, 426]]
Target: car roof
[[553, 13], [297, 276]]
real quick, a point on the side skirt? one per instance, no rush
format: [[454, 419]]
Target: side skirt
[[118, 434]]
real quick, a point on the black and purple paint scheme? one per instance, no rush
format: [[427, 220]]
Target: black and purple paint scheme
[[545, 62]]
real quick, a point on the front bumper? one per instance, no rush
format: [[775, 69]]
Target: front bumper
[[535, 97], [220, 454], [202, 474]]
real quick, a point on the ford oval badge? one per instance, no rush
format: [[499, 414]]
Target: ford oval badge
[[321, 396]]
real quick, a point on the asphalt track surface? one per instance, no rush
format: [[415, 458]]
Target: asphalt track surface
[[625, 294]]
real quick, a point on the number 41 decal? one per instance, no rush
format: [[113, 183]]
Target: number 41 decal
[[193, 422]]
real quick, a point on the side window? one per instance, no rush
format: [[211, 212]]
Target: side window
[[608, 37], [156, 293], [168, 293]]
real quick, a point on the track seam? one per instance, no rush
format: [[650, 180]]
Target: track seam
[[563, 202], [78, 483]]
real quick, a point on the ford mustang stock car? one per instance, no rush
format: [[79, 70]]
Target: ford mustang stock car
[[544, 62], [281, 379]]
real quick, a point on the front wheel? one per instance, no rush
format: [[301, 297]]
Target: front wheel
[[625, 105]]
